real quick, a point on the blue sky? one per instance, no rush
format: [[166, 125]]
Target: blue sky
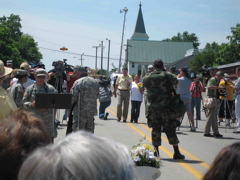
[[81, 24]]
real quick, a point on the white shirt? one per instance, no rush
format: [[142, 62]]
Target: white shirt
[[26, 84], [135, 93]]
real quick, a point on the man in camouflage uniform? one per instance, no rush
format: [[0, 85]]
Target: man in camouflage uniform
[[159, 87], [85, 94], [40, 86], [17, 90]]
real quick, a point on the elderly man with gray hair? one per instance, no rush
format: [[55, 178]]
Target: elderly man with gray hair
[[80, 156], [84, 99]]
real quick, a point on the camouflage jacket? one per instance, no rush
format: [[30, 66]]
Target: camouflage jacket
[[88, 89], [159, 86], [16, 91], [44, 114]]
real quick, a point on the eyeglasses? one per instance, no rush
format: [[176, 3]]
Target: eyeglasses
[[41, 77]]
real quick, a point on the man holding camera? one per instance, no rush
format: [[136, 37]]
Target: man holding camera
[[226, 99], [212, 87]]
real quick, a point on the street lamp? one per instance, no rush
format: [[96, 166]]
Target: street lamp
[[125, 10], [109, 42]]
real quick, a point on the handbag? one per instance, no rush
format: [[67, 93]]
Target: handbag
[[210, 102], [176, 107]]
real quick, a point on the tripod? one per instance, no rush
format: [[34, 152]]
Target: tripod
[[227, 111]]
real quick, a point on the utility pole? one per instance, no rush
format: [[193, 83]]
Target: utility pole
[[82, 58], [125, 10], [126, 57], [101, 55], [109, 42], [96, 55]]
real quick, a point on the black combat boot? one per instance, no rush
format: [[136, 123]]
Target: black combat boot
[[156, 153]]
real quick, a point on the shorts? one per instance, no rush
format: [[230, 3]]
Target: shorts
[[188, 103]]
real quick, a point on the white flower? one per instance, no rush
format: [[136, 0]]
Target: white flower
[[136, 158]]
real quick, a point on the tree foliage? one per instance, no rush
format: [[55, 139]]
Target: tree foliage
[[16, 45], [215, 54], [185, 37]]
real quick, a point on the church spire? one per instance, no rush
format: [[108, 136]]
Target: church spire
[[140, 32]]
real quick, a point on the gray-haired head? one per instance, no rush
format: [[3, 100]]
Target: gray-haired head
[[79, 156]]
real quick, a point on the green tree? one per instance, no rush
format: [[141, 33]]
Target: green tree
[[207, 56], [230, 52], [14, 44], [185, 37]]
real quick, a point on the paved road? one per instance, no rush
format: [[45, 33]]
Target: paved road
[[199, 150]]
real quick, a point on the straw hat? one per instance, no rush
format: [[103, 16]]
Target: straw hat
[[4, 70]]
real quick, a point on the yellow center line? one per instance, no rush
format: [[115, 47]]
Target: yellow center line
[[189, 168], [203, 164]]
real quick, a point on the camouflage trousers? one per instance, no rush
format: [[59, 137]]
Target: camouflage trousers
[[157, 126], [86, 122]]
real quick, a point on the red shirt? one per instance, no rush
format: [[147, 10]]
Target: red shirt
[[196, 89], [71, 82]]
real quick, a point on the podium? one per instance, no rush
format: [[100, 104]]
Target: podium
[[53, 101]]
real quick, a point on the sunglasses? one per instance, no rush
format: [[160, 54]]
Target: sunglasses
[[41, 77]]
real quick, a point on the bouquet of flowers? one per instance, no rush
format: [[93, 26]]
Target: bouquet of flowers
[[143, 155], [139, 85]]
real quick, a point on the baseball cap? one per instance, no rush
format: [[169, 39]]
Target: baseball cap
[[150, 66], [9, 62], [21, 72], [25, 66], [40, 72], [4, 70], [226, 75]]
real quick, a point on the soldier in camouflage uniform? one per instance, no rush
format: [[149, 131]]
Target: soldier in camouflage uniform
[[29, 100], [17, 90], [159, 87], [85, 93]]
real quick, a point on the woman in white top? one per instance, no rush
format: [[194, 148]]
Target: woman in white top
[[237, 100], [136, 98]]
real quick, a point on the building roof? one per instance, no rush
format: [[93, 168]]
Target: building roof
[[228, 65], [146, 52], [140, 31], [182, 62]]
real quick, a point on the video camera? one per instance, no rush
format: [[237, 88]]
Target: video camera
[[61, 66], [205, 70]]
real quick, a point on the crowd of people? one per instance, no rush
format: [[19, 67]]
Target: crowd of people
[[26, 128]]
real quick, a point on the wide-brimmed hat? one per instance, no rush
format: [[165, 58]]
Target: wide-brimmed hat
[[21, 72], [25, 66], [40, 72], [4, 70]]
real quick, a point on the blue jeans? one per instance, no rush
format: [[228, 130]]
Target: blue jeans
[[196, 102], [102, 107]]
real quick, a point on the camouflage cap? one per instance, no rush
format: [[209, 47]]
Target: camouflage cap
[[25, 66], [21, 72], [40, 72], [79, 68]]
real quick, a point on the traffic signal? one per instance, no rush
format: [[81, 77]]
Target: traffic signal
[[63, 49]]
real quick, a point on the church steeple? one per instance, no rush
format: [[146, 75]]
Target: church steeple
[[140, 32]]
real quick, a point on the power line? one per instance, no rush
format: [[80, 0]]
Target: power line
[[72, 53]]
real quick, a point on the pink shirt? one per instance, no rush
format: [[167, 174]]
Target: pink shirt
[[196, 89]]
